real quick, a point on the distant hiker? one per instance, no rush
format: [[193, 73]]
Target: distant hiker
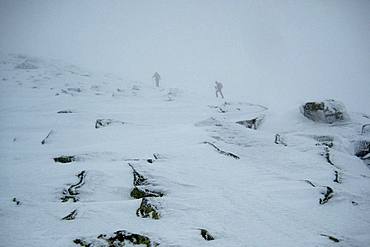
[[156, 77], [218, 88]]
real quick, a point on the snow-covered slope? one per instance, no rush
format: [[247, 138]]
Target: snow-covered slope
[[210, 172]]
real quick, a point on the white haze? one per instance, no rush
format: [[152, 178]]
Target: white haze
[[270, 52]]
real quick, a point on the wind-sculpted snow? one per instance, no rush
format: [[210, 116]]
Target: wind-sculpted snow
[[195, 174]]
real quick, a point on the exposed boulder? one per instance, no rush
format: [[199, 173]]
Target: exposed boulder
[[327, 111], [362, 149], [119, 238]]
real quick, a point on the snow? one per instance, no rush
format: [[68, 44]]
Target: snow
[[261, 199]]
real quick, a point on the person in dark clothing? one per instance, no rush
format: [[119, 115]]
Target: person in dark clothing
[[218, 88]]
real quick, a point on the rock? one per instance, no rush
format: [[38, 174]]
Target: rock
[[147, 209], [365, 128], [206, 235], [362, 148], [138, 178], [327, 195], [16, 201], [64, 111], [65, 159], [280, 140], [254, 123], [222, 151], [327, 111], [119, 238], [139, 193], [106, 122], [334, 239], [71, 216], [72, 192], [323, 140], [45, 140]]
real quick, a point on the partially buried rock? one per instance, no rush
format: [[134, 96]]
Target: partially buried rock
[[362, 149], [65, 159], [206, 235], [252, 123], [139, 193], [119, 238], [327, 111], [106, 122], [64, 111], [148, 209]]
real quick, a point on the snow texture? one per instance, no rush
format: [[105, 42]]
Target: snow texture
[[310, 191]]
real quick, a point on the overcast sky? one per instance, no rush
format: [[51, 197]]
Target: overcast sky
[[263, 51]]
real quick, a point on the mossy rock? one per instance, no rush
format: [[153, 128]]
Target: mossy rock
[[141, 193], [65, 159], [147, 210], [117, 239]]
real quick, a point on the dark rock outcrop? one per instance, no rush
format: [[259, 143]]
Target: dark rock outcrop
[[206, 235], [65, 159], [327, 111], [362, 149]]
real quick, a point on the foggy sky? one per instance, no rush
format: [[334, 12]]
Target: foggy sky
[[270, 52]]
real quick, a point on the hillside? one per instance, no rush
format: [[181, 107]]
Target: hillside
[[200, 171]]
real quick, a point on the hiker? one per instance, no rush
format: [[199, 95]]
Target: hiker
[[218, 88], [156, 77]]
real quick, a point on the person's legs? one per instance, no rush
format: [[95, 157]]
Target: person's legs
[[157, 82], [216, 93], [221, 94]]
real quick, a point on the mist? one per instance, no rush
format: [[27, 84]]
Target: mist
[[277, 53]]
